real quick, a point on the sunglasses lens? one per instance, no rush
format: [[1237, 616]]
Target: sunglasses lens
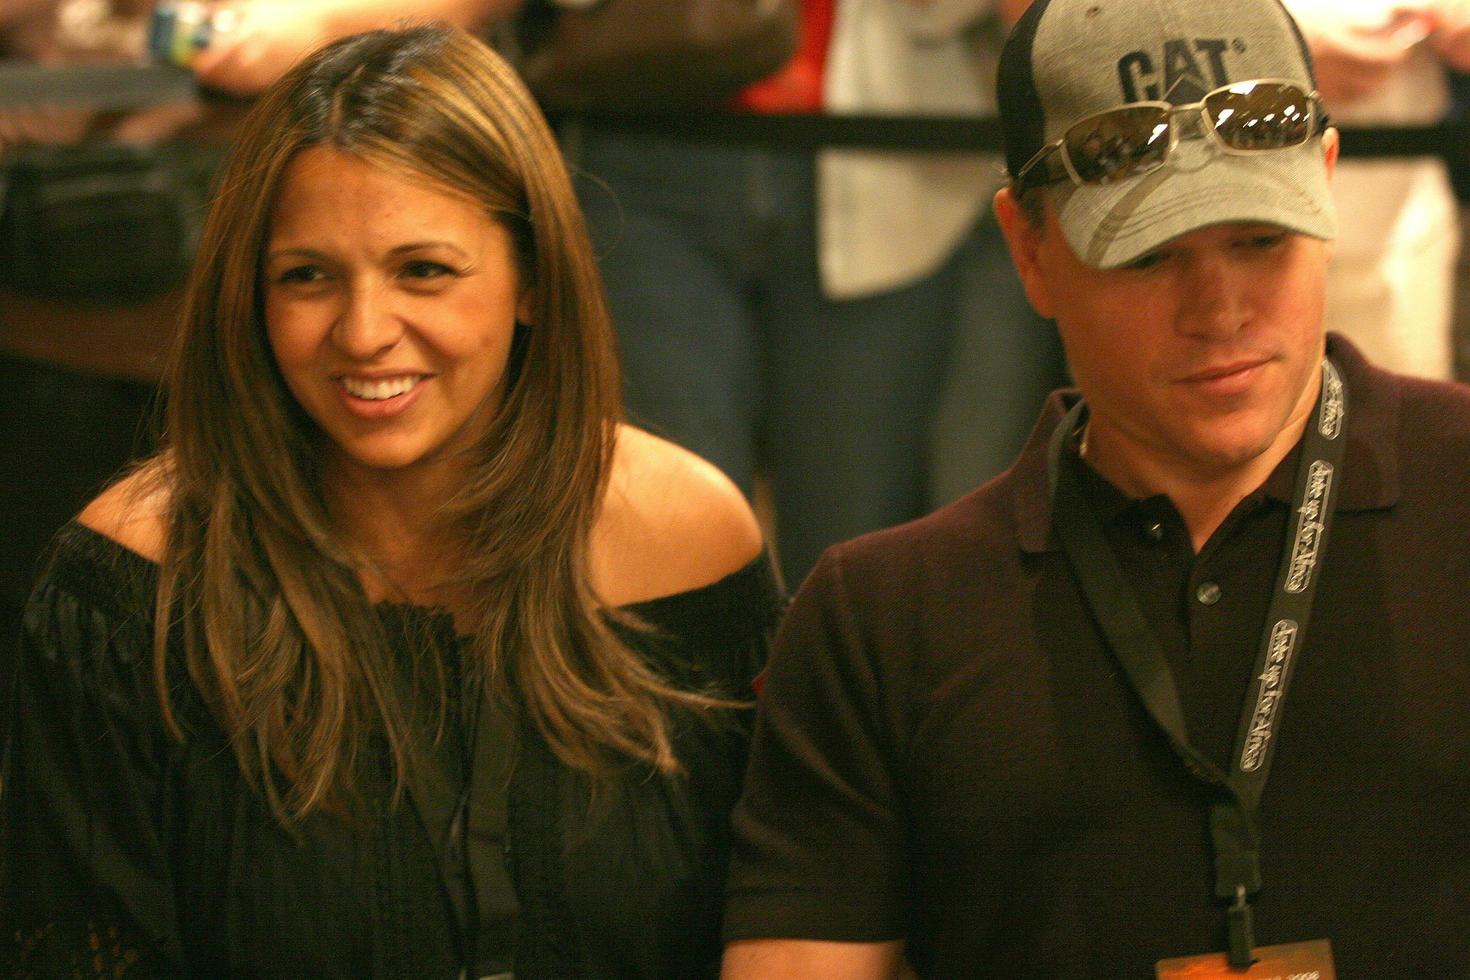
[[1121, 143], [1260, 115]]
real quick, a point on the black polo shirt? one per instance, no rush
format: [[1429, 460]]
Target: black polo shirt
[[948, 753]]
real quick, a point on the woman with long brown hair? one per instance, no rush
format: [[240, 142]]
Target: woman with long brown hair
[[404, 657]]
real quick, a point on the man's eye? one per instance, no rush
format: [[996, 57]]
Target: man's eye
[[1267, 241], [1147, 261]]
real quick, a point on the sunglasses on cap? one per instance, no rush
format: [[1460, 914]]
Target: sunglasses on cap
[[1135, 139]]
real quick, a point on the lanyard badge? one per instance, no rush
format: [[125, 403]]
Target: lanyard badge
[[1233, 825], [1290, 961]]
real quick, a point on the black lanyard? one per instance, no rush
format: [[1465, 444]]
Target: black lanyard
[[1233, 827]]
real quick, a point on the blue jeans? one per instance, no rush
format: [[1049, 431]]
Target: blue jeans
[[730, 349]]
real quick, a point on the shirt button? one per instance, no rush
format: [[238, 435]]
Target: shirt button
[[1154, 532], [1208, 593]]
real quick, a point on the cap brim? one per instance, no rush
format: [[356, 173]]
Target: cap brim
[[1109, 225]]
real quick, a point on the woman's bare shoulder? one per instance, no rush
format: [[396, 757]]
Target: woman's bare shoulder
[[133, 511], [670, 522]]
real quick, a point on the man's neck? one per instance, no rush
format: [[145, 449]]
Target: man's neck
[[1204, 496], [1205, 503]]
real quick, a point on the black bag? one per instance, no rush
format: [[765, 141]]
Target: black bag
[[651, 55], [102, 222]]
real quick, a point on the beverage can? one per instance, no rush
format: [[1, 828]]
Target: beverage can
[[179, 30]]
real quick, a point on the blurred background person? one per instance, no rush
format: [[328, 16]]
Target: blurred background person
[[1391, 281], [1006, 359], [404, 656], [81, 340], [791, 315]]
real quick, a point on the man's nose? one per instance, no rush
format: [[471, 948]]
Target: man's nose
[[1215, 300]]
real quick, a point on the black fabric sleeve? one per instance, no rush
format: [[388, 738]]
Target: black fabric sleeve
[[819, 848], [645, 877], [84, 882]]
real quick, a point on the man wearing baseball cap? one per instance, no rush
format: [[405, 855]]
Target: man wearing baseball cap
[[1185, 692]]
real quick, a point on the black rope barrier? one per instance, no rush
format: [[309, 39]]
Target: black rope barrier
[[967, 134], [123, 87]]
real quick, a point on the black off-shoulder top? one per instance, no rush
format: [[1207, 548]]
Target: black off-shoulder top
[[125, 852]]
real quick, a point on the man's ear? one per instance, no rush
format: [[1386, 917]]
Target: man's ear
[[1024, 238], [1331, 143]]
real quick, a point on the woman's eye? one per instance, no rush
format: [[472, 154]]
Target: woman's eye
[[301, 274], [424, 269]]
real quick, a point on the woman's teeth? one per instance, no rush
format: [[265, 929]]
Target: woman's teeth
[[379, 390]]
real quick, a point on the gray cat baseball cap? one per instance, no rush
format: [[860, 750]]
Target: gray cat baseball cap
[[1069, 59]]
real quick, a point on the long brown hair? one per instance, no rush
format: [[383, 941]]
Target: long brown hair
[[278, 633]]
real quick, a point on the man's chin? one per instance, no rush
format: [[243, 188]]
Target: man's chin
[[1225, 454]]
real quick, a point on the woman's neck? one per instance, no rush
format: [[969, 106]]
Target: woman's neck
[[397, 522]]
